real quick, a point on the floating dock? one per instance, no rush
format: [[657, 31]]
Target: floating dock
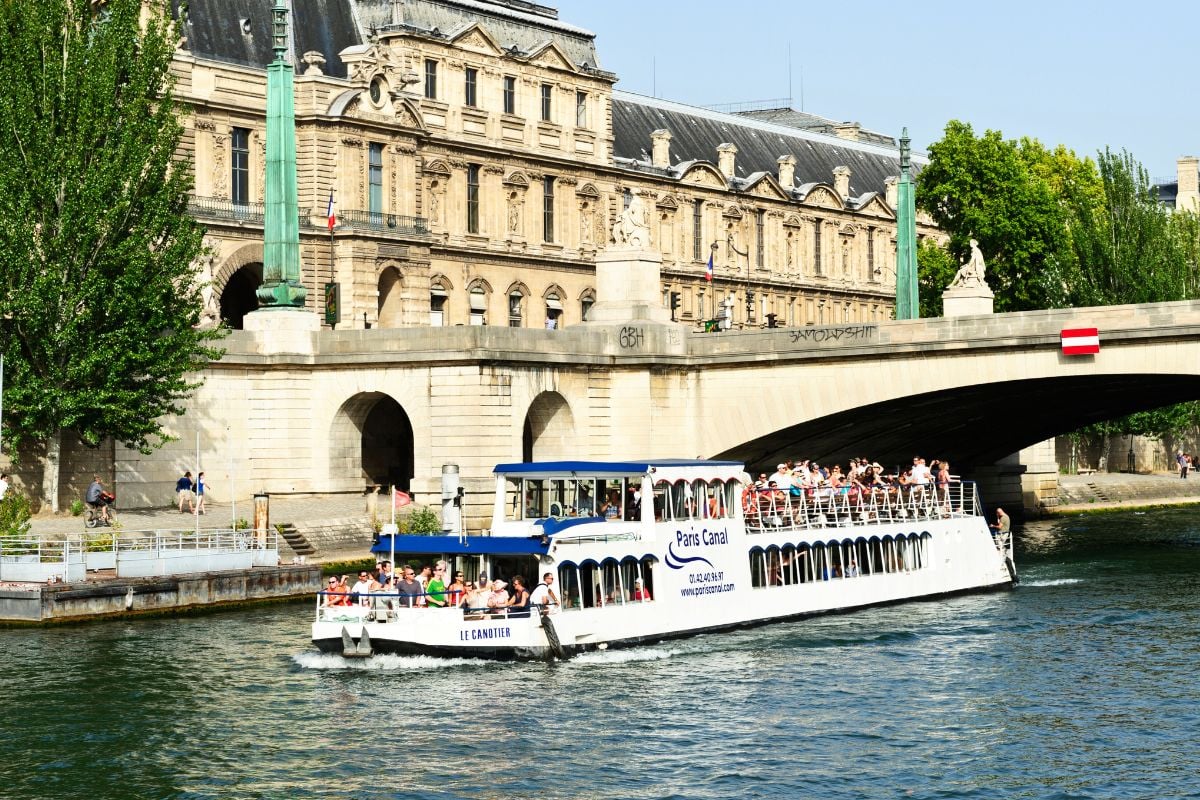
[[105, 595]]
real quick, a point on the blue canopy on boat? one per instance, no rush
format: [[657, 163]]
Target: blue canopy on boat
[[467, 545]]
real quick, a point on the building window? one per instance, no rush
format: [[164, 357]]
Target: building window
[[817, 247], [697, 235], [376, 178], [510, 94], [478, 299], [431, 79], [472, 79], [240, 164], [553, 311], [547, 94], [437, 305], [585, 307], [472, 198], [548, 208], [581, 109], [871, 276], [760, 238], [514, 308]]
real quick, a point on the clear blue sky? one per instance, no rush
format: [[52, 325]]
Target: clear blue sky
[[1084, 73]]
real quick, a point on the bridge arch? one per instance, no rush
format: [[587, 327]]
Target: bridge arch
[[371, 440], [236, 282], [549, 430]]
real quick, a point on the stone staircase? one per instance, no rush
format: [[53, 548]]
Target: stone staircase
[[295, 540]]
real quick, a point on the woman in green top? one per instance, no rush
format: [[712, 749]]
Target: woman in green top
[[435, 588]]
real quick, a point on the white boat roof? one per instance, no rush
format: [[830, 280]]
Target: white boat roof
[[663, 468]]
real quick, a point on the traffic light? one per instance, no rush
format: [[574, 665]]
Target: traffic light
[[674, 304]]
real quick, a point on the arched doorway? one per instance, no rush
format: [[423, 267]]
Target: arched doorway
[[390, 299], [372, 442], [238, 297], [549, 431]]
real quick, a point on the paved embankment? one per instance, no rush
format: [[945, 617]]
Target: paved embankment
[[1103, 491], [326, 528]]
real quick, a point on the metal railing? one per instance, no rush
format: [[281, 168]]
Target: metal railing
[[399, 224], [780, 510], [216, 208], [35, 560], [212, 541]]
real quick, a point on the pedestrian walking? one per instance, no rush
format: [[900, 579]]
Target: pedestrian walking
[[183, 488]]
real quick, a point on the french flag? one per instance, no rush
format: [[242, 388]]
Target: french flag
[[1080, 341], [330, 216], [709, 269]]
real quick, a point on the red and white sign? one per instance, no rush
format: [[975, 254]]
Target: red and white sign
[[1080, 341]]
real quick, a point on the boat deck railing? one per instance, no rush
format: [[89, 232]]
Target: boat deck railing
[[768, 511], [384, 606]]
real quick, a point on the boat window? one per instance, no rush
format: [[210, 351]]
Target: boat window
[[614, 492], [661, 490], [535, 494], [610, 583]]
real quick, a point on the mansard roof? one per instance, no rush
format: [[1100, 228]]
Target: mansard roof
[[696, 133], [240, 32]]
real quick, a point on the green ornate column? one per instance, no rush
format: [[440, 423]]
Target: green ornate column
[[281, 286], [908, 305]]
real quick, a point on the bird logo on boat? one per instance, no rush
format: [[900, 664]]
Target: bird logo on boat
[[679, 562]]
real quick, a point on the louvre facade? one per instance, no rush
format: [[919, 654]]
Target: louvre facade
[[477, 156]]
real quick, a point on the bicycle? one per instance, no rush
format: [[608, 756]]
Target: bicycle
[[94, 511]]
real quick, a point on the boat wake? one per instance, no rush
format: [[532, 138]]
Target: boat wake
[[382, 663], [1055, 582], [623, 656]]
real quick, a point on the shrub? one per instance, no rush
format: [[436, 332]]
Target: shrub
[[420, 520], [241, 524], [76, 507], [14, 516]]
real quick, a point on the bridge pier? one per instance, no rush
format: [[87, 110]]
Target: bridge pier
[[1026, 480]]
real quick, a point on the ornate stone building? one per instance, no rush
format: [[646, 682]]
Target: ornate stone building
[[477, 156]]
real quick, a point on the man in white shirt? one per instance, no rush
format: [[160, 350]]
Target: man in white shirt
[[920, 472], [3, 485], [360, 590], [782, 478], [543, 596]]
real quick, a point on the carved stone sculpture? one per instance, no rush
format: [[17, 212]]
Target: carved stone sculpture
[[210, 314], [971, 274], [632, 228]]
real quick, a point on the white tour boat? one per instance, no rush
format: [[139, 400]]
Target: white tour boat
[[645, 551]]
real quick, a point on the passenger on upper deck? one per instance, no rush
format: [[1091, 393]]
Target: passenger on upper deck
[[584, 506], [363, 587], [612, 507], [335, 593]]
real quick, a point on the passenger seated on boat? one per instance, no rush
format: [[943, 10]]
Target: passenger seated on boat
[[612, 507], [364, 586], [518, 604], [852, 569], [409, 589], [456, 592], [640, 593], [497, 601], [435, 588], [335, 594]]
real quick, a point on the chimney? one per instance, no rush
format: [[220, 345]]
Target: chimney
[[727, 159], [847, 130], [661, 148], [1187, 194], [787, 172], [841, 182], [891, 191]]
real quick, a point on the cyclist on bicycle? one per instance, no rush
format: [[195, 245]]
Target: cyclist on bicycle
[[95, 498]]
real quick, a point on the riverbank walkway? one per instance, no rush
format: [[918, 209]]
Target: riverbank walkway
[[1115, 490]]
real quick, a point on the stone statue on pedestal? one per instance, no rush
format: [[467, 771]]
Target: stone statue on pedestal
[[971, 274], [632, 228]]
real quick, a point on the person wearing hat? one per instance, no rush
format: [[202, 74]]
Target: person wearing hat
[[498, 599], [640, 593]]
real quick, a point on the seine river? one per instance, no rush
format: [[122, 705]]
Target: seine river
[[1082, 683]]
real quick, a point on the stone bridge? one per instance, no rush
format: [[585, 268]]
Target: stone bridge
[[332, 411]]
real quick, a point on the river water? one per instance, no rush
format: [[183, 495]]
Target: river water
[[1082, 683]]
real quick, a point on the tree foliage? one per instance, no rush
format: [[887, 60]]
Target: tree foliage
[[97, 290], [988, 188], [935, 269], [1059, 231]]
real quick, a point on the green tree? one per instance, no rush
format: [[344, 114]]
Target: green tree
[[1004, 194], [1127, 249], [97, 293], [935, 269]]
